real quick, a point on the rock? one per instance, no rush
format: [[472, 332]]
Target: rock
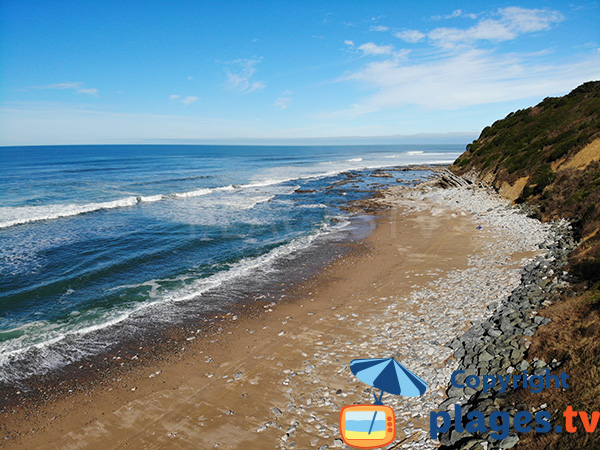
[[509, 442], [382, 174]]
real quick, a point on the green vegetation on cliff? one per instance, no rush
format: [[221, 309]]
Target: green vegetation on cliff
[[548, 156], [532, 138]]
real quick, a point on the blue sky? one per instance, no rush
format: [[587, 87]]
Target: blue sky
[[93, 72]]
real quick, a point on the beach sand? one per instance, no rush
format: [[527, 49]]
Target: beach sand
[[278, 379]]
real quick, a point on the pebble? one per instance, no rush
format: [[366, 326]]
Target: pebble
[[425, 337]]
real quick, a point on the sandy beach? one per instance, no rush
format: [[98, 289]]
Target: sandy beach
[[299, 225], [278, 379]]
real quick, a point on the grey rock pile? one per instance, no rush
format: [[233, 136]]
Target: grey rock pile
[[498, 345]]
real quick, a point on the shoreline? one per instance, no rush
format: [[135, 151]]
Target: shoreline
[[244, 294], [264, 275], [187, 405]]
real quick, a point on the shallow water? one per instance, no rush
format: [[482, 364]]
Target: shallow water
[[94, 237]]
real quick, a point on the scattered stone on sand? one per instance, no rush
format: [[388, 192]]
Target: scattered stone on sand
[[417, 329]]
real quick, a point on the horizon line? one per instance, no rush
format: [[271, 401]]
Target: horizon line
[[451, 138]]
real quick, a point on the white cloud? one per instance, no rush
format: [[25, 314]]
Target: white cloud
[[282, 102], [530, 20], [189, 100], [379, 28], [350, 43], [373, 49], [90, 91], [239, 79], [456, 13], [466, 76], [256, 86], [61, 86], [186, 100], [411, 36], [512, 22], [473, 77], [77, 87], [489, 30]]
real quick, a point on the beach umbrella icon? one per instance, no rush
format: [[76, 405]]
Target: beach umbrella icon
[[388, 375]]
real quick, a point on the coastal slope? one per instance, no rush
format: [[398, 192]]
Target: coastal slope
[[547, 158]]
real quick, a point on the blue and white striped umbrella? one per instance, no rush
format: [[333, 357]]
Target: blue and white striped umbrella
[[388, 375]]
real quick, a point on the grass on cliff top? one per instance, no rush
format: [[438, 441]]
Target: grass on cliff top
[[525, 142]]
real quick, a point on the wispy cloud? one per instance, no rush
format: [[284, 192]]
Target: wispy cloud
[[373, 49], [379, 28], [284, 101], [75, 86], [411, 36], [505, 24], [240, 74], [189, 100], [456, 13], [464, 74], [185, 100], [530, 20], [490, 30], [472, 77]]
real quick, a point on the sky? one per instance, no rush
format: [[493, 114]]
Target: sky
[[123, 72]]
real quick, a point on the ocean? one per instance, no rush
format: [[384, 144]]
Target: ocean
[[98, 244]]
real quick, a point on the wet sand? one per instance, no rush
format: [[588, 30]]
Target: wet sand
[[279, 379]]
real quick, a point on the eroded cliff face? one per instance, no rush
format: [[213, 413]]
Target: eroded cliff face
[[548, 157]]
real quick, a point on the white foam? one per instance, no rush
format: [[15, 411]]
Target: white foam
[[10, 216], [205, 191], [152, 198], [46, 334], [244, 202], [314, 206], [16, 215]]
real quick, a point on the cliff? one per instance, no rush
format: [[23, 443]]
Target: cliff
[[548, 157]]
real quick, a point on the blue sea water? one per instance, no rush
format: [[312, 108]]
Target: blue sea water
[[96, 237]]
